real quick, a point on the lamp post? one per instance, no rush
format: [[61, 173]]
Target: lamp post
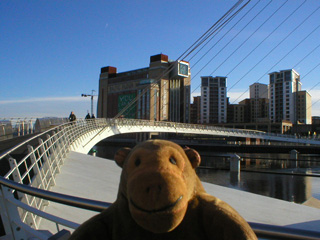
[[90, 95]]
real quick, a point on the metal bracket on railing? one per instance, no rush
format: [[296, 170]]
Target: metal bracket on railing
[[12, 215]]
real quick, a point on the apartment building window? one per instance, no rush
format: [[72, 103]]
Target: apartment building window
[[204, 81], [272, 78]]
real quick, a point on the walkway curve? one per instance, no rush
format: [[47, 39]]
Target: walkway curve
[[110, 127]]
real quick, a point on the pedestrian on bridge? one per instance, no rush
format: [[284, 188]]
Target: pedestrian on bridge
[[88, 116], [72, 117]]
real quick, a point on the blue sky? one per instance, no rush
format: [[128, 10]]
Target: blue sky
[[52, 51]]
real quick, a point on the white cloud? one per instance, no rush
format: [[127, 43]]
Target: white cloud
[[47, 99], [46, 107], [236, 97]]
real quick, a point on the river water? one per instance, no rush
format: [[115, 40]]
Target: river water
[[291, 188], [272, 175]]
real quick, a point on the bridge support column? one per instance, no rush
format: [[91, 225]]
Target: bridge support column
[[235, 163], [235, 170], [294, 158]]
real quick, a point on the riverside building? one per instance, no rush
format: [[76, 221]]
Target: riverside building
[[259, 102], [213, 100], [287, 101], [159, 92]]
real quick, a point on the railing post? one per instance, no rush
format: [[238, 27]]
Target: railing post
[[16, 175], [46, 164], [59, 150], [39, 203], [37, 172], [54, 154], [21, 196], [65, 140]]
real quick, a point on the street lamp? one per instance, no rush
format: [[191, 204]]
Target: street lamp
[[90, 95]]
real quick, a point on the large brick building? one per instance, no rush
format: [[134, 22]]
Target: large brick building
[[160, 91]]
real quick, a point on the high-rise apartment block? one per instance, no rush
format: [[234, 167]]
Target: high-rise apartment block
[[158, 92], [213, 99], [283, 87], [259, 102]]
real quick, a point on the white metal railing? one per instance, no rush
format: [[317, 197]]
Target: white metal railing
[[22, 210], [213, 130], [38, 169]]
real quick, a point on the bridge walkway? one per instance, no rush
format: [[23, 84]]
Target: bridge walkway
[[98, 179]]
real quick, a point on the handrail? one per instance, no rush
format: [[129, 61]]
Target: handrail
[[69, 200], [29, 140], [262, 230]]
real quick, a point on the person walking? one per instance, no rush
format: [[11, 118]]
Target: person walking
[[72, 117], [88, 116]]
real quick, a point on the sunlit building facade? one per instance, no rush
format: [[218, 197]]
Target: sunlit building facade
[[213, 100], [283, 86], [304, 107], [259, 102], [160, 91]]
